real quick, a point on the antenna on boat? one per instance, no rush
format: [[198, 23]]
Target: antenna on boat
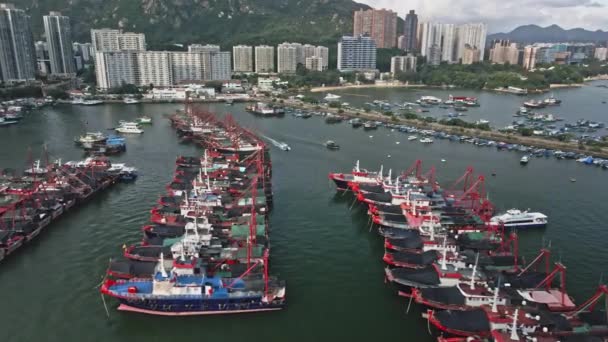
[[495, 300], [514, 336], [205, 162], [390, 175], [444, 252], [161, 264], [357, 166], [472, 284], [381, 171]]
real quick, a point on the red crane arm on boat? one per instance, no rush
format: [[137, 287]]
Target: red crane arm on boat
[[244, 274]]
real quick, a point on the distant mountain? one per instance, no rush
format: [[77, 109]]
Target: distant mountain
[[225, 22], [550, 34]]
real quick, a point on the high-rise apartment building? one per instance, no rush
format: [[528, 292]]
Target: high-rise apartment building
[[17, 53], [43, 63], [314, 63], [601, 53], [220, 66], [531, 54], [288, 55], [264, 59], [132, 41], [471, 55], [115, 68], [187, 67], [323, 53], [356, 54], [242, 58], [85, 50], [116, 40], [203, 48], [410, 32], [381, 25], [403, 64], [59, 41], [448, 41], [154, 67], [473, 34], [503, 52]]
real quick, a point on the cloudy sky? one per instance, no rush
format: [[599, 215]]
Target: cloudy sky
[[504, 15]]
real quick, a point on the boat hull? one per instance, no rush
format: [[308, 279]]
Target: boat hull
[[193, 307]]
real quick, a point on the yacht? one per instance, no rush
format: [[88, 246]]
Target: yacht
[[482, 122], [129, 127], [332, 97], [332, 145], [515, 218], [524, 160], [412, 137], [426, 140], [430, 100]]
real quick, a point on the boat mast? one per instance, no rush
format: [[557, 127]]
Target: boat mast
[[472, 283]]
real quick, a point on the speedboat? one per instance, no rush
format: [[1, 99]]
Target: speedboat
[[130, 100], [129, 127], [332, 145], [6, 122], [524, 160], [144, 120], [482, 122], [332, 97], [534, 104], [552, 101], [515, 218], [91, 138], [426, 140], [412, 137]]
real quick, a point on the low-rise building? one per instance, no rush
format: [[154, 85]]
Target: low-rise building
[[601, 53]]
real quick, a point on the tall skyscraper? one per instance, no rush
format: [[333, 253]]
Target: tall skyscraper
[[17, 53], [264, 59], [83, 49], [115, 40], [154, 67], [314, 63], [287, 58], [410, 32], [381, 25], [447, 42], [531, 54], [242, 56], [220, 66], [59, 41], [187, 66], [356, 54], [43, 64], [115, 68]]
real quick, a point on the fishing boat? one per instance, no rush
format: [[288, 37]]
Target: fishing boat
[[188, 290], [332, 97], [534, 104], [429, 100], [332, 145], [524, 160], [143, 120], [129, 128], [260, 108], [515, 218]]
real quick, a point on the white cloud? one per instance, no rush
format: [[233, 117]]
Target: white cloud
[[504, 15]]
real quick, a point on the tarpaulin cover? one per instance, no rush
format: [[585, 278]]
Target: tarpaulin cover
[[471, 321]]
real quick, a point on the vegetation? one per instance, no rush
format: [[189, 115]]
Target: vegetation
[[125, 89], [228, 23], [491, 76], [20, 92], [58, 93], [464, 124], [308, 78]]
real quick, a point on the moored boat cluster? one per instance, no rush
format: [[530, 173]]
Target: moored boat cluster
[[31, 201], [446, 253], [206, 249]]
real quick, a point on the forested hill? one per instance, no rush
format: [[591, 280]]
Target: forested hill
[[228, 22]]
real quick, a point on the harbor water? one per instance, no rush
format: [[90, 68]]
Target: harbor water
[[325, 252]]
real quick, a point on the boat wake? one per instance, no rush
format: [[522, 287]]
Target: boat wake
[[283, 146]]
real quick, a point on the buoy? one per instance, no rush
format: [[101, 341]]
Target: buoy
[[371, 136], [389, 156], [132, 289], [397, 142], [443, 160]]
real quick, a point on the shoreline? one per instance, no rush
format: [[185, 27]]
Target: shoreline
[[475, 133]]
